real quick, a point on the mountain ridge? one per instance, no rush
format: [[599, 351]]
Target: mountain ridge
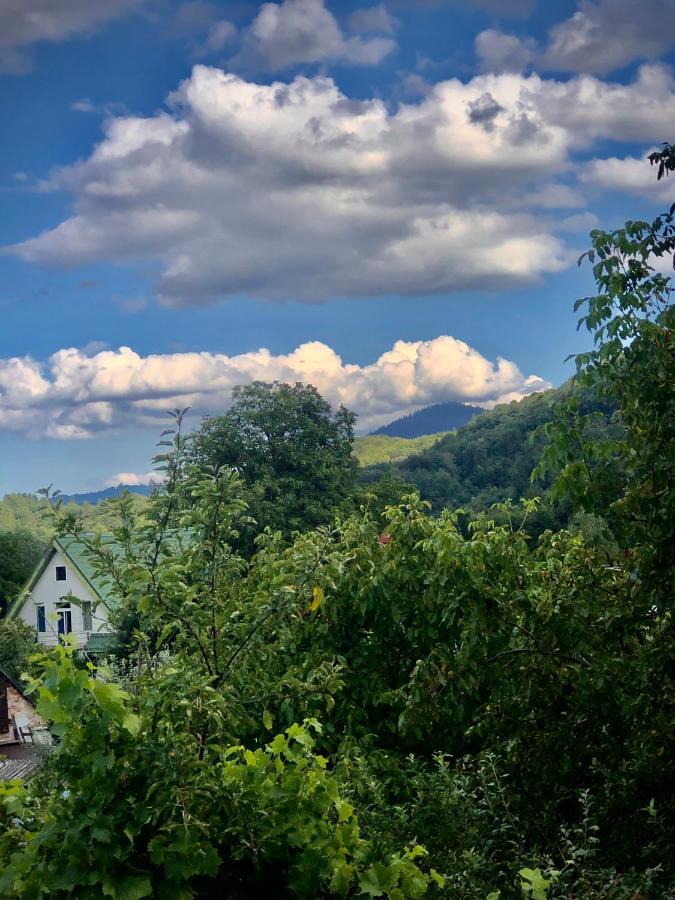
[[430, 420]]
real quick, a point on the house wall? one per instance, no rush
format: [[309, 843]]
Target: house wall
[[48, 592], [19, 706]]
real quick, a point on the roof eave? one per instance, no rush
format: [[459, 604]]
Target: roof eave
[[17, 604]]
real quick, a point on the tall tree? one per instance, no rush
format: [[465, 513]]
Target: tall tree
[[19, 554], [293, 451]]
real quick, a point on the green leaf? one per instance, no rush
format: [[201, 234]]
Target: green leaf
[[130, 887], [132, 723]]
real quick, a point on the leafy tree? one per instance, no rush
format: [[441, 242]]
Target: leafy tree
[[20, 552], [293, 452], [628, 475], [17, 649]]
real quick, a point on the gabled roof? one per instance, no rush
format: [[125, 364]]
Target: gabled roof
[[75, 552]]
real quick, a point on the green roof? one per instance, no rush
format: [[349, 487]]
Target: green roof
[[100, 643], [75, 552]]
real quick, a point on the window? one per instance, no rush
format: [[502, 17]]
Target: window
[[60, 573], [41, 621], [86, 615], [65, 623]]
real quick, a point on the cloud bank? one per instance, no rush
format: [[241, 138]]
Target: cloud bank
[[294, 190], [75, 395], [600, 37]]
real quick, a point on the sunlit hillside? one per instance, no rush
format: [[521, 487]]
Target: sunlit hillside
[[380, 448]]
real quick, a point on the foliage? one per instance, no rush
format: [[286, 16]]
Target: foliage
[[20, 552], [17, 649], [293, 452], [149, 795], [627, 478]]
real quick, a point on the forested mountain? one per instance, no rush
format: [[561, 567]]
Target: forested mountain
[[27, 512], [431, 420], [487, 461], [106, 493]]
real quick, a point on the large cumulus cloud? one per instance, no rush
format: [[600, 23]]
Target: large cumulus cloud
[[295, 190], [75, 395]]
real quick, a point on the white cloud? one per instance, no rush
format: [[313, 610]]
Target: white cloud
[[25, 22], [581, 222], [293, 190], [499, 52], [609, 34], [373, 18], [297, 32], [600, 37], [129, 479], [220, 34], [75, 395], [131, 305], [631, 174]]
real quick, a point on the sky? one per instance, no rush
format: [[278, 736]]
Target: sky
[[386, 200]]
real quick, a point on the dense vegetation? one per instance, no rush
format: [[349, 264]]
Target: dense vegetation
[[430, 420], [389, 705], [294, 454], [20, 552], [491, 459]]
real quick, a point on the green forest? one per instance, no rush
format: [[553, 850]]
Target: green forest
[[448, 675]]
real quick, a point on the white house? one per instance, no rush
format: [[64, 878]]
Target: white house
[[65, 596]]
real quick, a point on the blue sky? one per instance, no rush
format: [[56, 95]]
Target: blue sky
[[385, 199]]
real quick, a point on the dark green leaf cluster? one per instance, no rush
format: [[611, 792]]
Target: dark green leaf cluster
[[20, 552], [293, 452]]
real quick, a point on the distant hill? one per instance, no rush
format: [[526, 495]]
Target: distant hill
[[431, 420], [26, 511], [107, 493], [381, 448], [486, 461]]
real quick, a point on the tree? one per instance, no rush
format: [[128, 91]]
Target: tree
[[293, 452], [628, 475], [18, 653], [20, 552]]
